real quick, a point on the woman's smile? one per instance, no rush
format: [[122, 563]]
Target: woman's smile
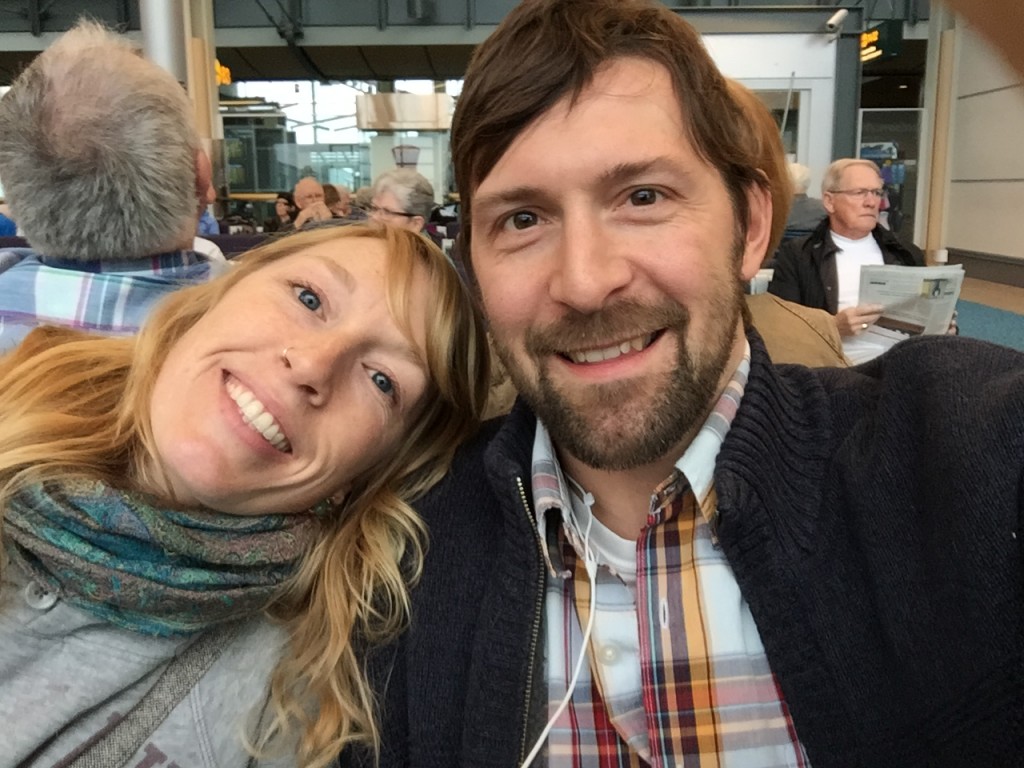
[[255, 414]]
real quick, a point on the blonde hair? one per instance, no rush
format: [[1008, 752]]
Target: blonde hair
[[800, 175], [78, 405]]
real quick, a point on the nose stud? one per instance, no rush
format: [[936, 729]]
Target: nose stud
[[284, 357]]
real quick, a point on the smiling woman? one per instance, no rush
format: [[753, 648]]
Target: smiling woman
[[232, 488]]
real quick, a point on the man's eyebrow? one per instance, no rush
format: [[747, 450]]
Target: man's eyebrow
[[623, 172], [507, 197]]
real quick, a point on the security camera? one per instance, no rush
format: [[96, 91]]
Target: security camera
[[836, 20]]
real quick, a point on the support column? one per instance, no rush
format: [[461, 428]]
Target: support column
[[163, 35], [203, 89], [847, 104]]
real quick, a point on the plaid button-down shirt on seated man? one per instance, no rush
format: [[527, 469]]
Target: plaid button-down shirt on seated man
[[678, 676], [108, 298]]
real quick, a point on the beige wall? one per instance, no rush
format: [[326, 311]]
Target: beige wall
[[984, 205]]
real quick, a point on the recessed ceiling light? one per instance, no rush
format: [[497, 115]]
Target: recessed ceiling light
[[903, 87]]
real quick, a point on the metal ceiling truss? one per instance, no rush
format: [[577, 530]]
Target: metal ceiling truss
[[289, 19]]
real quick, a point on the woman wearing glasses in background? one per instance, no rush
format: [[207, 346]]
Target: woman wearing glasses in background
[[822, 270], [402, 198]]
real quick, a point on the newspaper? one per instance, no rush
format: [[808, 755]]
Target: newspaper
[[917, 300]]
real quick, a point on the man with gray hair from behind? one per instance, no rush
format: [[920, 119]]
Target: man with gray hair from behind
[[103, 170]]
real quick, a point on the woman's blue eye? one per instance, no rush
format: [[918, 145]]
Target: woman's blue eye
[[309, 299], [383, 382]]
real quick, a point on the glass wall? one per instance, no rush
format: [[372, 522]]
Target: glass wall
[[278, 132]]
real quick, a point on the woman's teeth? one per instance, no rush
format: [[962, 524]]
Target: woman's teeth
[[256, 416], [610, 353]]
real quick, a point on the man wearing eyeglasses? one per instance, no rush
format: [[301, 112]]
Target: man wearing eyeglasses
[[309, 199], [822, 270]]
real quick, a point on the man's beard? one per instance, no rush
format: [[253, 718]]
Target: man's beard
[[624, 424]]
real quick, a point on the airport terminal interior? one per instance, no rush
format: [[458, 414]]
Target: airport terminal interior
[[511, 383], [346, 90]]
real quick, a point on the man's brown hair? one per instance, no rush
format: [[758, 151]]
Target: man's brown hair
[[765, 139], [545, 50]]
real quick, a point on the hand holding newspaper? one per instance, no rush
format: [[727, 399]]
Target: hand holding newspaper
[[917, 300]]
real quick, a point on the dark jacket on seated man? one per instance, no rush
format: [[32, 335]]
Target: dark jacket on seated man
[[805, 268]]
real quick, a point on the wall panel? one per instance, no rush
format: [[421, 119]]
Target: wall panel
[[980, 68], [987, 137], [985, 217], [985, 201]]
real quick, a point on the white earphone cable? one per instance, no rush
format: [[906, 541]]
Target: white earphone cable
[[590, 562]]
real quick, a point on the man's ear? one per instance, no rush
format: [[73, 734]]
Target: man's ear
[[759, 229], [205, 193], [419, 221], [829, 203]]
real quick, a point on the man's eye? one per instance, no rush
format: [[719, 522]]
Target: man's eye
[[308, 297], [383, 382], [522, 220], [643, 197]]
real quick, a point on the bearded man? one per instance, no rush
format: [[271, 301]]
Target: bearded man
[[673, 552]]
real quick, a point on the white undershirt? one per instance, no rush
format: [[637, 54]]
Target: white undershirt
[[611, 550], [853, 254]]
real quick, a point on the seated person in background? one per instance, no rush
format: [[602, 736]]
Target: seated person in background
[[257, 445], [284, 213], [309, 199], [207, 224], [402, 198], [362, 201], [7, 226], [127, 181], [338, 199], [806, 213], [822, 270]]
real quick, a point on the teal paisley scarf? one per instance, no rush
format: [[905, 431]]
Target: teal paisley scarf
[[156, 571]]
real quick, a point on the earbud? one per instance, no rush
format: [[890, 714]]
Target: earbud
[[590, 563]]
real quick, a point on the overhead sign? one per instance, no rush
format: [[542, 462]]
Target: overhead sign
[[883, 41]]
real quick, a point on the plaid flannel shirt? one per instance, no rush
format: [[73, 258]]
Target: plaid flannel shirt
[[678, 675], [109, 298]]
